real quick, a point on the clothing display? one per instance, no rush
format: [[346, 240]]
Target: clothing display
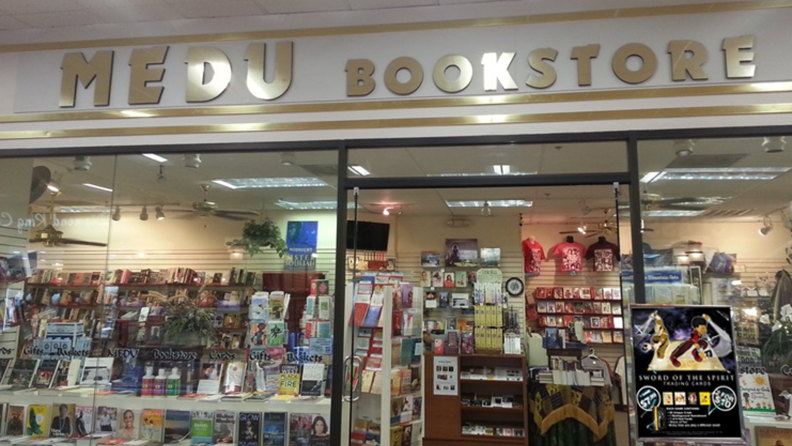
[[571, 254], [604, 253], [533, 253]]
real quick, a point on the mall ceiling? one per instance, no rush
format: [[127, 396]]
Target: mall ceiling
[[312, 175]]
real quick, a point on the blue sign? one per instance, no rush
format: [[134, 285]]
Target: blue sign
[[301, 240]]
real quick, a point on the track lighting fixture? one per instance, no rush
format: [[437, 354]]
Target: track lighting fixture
[[400, 211], [582, 229], [53, 185], [486, 211], [82, 163], [767, 226], [117, 214], [144, 214], [192, 160], [158, 212], [288, 159], [774, 144], [684, 147], [386, 211], [161, 175]]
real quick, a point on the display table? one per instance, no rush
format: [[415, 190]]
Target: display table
[[571, 415]]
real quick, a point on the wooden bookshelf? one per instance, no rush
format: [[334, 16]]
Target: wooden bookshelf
[[445, 415]]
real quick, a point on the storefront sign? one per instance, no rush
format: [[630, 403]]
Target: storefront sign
[[564, 56], [686, 374], [301, 241], [48, 348]]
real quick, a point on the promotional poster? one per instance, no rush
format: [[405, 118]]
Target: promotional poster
[[686, 373]]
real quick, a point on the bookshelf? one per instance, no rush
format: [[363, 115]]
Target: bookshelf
[[447, 414]]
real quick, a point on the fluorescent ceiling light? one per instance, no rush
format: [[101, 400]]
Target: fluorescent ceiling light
[[649, 177], [136, 114], [94, 186], [671, 213], [82, 209], [223, 183], [502, 169], [723, 174], [310, 205], [476, 174], [492, 203], [155, 157], [266, 183], [359, 170]]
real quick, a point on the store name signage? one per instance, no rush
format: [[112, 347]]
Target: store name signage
[[209, 70], [38, 219], [124, 353], [59, 348], [222, 356]]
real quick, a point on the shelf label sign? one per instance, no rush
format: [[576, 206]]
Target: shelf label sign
[[446, 375]]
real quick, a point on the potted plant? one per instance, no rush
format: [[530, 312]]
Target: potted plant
[[258, 236], [188, 325]]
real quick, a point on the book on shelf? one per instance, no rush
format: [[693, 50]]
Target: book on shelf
[[312, 379], [37, 421], [275, 428], [201, 427], [289, 380], [152, 425], [224, 427]]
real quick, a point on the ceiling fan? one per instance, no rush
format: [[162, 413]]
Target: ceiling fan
[[208, 208], [651, 201], [604, 228], [51, 237]]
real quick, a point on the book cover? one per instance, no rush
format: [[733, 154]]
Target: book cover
[[302, 427], [84, 421], [201, 425], [460, 279], [45, 373], [324, 304], [430, 259], [177, 425], [106, 419], [96, 371], [249, 428], [274, 429], [234, 377], [289, 379], [129, 425], [276, 305], [259, 306], [15, 424], [22, 373], [372, 316], [62, 421], [437, 279], [312, 380], [224, 427], [152, 425], [37, 417], [276, 333]]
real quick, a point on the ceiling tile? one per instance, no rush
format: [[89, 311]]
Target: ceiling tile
[[204, 9], [92, 4], [137, 13], [10, 23], [454, 2], [38, 6], [382, 4], [59, 19], [304, 6]]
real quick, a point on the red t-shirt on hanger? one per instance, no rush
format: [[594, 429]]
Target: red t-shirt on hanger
[[571, 255], [533, 253]]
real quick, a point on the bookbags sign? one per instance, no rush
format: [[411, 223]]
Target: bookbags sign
[[301, 240], [686, 373]]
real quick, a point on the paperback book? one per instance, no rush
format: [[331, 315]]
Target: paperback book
[[37, 417], [16, 421], [274, 429], [62, 422], [224, 427], [107, 419], [201, 427], [129, 425], [289, 380], [312, 379], [22, 373], [177, 425], [152, 425], [249, 428], [45, 373]]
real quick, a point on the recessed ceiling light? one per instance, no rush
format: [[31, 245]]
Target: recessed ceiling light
[[224, 183], [492, 203], [155, 157], [264, 183], [723, 174], [94, 186], [502, 169], [359, 170]]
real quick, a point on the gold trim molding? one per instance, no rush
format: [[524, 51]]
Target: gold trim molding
[[652, 11], [401, 104], [602, 115]]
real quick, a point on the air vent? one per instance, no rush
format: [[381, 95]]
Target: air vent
[[705, 161], [716, 213]]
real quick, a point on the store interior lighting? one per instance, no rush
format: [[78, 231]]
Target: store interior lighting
[[144, 214]]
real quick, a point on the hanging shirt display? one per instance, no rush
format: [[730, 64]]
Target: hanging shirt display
[[604, 254], [571, 255], [533, 253]]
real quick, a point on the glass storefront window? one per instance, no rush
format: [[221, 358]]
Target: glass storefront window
[[716, 245], [186, 296]]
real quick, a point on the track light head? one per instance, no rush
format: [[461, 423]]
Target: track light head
[[82, 163], [192, 160], [684, 147], [117, 214], [288, 159], [158, 212], [486, 210], [144, 214], [774, 144]]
